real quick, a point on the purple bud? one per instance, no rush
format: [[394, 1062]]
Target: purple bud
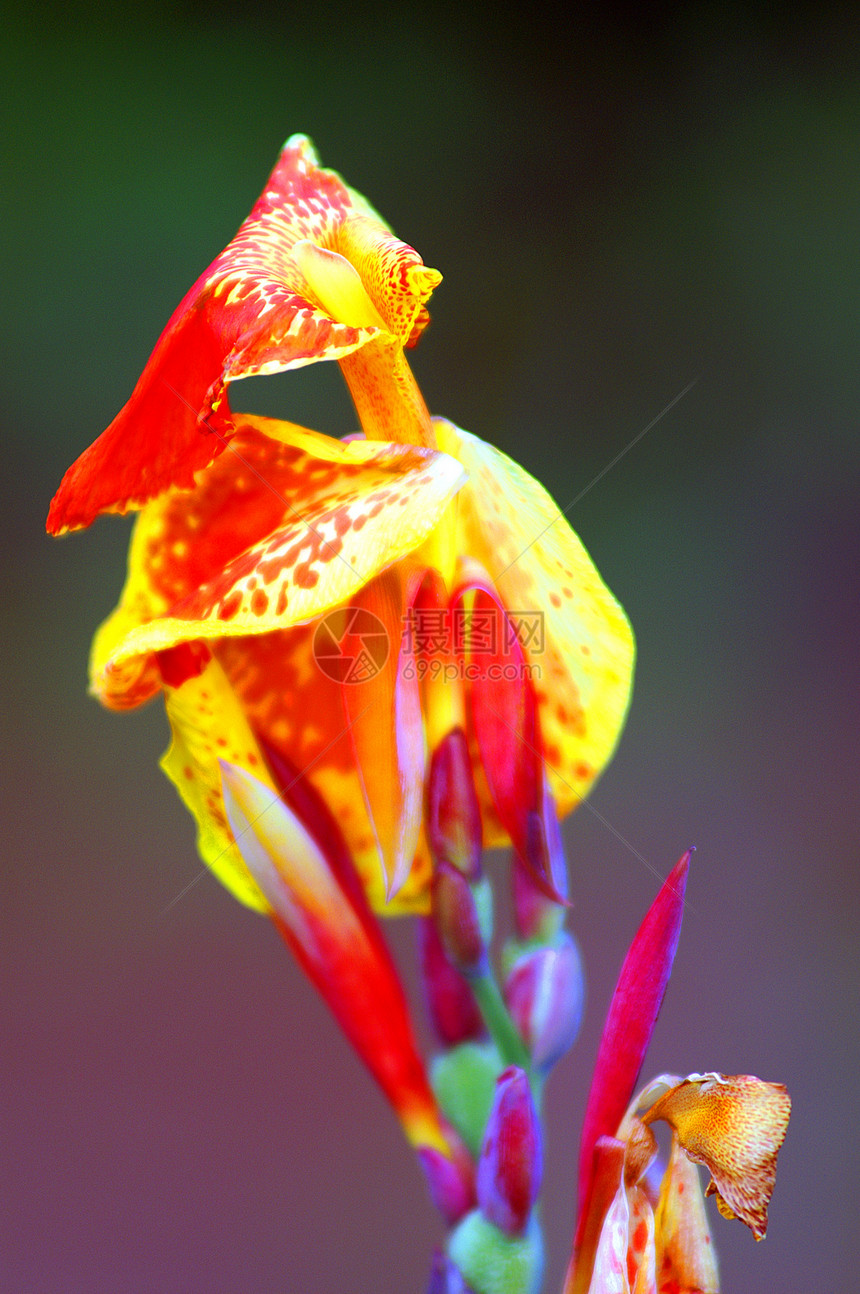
[[458, 920], [453, 814], [450, 1003], [445, 1278], [545, 993], [544, 848], [451, 1182], [511, 1162]]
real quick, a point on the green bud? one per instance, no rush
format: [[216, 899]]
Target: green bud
[[493, 1263], [464, 1081]]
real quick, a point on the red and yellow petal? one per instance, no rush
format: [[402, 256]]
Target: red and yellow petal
[[295, 706], [584, 660], [338, 946], [252, 311], [208, 723], [280, 529]]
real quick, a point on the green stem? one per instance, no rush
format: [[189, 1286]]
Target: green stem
[[502, 1029]]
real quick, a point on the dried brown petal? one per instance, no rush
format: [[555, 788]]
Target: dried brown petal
[[735, 1126]]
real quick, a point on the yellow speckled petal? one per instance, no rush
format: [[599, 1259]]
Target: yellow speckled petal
[[734, 1125], [283, 526], [573, 630], [208, 723]]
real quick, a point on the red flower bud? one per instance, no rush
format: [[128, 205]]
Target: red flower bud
[[450, 1003], [453, 813], [458, 920]]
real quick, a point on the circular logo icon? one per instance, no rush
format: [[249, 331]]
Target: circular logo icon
[[350, 645]]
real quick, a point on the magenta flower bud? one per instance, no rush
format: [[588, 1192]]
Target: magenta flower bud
[[453, 814], [451, 1182], [545, 993], [451, 1005], [458, 920], [511, 1161]]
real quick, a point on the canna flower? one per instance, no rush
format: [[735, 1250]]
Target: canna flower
[[635, 1235], [263, 549]]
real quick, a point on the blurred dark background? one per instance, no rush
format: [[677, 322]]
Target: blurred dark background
[[619, 206]]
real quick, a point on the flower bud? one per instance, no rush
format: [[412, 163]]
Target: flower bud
[[536, 917], [453, 814], [445, 1278], [495, 1263], [545, 994], [544, 847], [510, 1165], [450, 1003], [451, 1181], [459, 920]]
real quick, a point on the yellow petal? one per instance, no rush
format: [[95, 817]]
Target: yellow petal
[[735, 1126], [208, 723], [283, 526], [573, 631]]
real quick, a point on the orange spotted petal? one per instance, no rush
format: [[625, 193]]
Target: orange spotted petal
[[383, 706], [254, 310], [735, 1126], [282, 528], [582, 647]]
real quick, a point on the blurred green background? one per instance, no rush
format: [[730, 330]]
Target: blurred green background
[[619, 205]]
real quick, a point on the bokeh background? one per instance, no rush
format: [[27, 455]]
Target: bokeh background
[[620, 205]]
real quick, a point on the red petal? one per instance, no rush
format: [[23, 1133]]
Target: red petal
[[248, 313], [157, 439], [504, 717]]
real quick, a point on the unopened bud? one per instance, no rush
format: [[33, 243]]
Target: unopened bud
[[537, 917], [511, 1161], [495, 1263], [544, 847], [545, 994], [451, 1181], [445, 1278], [464, 1081], [453, 814], [458, 919], [450, 1002]]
